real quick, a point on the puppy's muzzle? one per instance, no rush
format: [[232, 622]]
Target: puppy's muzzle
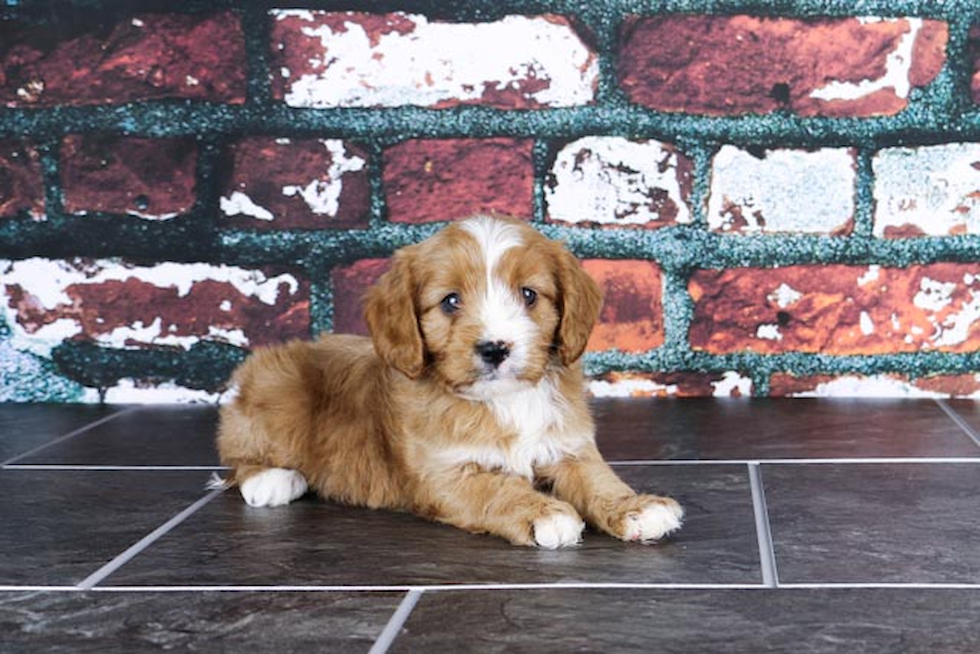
[[492, 353]]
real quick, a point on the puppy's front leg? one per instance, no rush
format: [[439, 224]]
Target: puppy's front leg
[[480, 501], [590, 485]]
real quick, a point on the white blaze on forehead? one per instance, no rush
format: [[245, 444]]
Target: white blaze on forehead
[[502, 310]]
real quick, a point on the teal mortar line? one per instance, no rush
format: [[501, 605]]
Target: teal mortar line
[[942, 112]]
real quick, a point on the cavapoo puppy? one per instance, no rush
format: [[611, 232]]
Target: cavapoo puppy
[[467, 404]]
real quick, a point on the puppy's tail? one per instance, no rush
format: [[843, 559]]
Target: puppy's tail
[[216, 482]]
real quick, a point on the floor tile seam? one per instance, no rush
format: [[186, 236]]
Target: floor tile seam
[[960, 421], [767, 551], [398, 619], [798, 461], [426, 588], [142, 544], [57, 467], [71, 434]]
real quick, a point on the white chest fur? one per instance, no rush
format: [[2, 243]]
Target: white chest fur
[[537, 415]]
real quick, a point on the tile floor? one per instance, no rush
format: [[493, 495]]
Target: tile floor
[[812, 526]]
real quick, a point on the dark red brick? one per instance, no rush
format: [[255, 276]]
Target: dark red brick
[[435, 180], [632, 314], [973, 52], [151, 178], [280, 183], [21, 185], [349, 285], [143, 57], [726, 65]]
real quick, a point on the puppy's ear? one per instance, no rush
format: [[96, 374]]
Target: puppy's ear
[[392, 319], [581, 301]]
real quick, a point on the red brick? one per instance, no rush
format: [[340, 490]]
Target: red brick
[[144, 57], [281, 183], [150, 178], [727, 65], [446, 179], [21, 186], [349, 285], [632, 315], [121, 304], [973, 51], [965, 385], [837, 309], [671, 384]]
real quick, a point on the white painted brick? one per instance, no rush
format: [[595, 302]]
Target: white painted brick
[[614, 181], [517, 60], [929, 190], [785, 191]]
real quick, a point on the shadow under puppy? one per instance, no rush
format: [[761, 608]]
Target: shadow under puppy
[[467, 399]]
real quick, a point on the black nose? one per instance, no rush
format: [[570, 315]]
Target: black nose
[[492, 352]]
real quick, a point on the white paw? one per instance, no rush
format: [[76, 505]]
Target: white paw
[[654, 522], [558, 530], [273, 487]]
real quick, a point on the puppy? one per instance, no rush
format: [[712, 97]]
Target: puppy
[[466, 403]]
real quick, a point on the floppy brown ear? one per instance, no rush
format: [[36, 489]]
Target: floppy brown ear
[[581, 301], [389, 309]]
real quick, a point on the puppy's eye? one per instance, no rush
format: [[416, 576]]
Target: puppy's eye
[[451, 304], [530, 296]]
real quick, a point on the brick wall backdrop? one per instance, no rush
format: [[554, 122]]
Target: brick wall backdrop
[[778, 198]]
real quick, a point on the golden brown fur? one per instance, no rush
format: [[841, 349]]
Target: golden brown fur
[[414, 420]]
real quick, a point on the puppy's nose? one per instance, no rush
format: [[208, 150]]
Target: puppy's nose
[[493, 353]]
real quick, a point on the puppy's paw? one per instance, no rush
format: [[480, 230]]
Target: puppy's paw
[[558, 529], [648, 518], [273, 487]]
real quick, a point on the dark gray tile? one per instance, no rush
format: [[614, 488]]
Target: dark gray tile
[[911, 522], [193, 622], [731, 621], [151, 435], [58, 527], [761, 428], [24, 427], [314, 542]]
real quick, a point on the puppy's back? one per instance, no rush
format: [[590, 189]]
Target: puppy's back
[[314, 407]]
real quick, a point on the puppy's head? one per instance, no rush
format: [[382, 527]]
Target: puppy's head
[[486, 306]]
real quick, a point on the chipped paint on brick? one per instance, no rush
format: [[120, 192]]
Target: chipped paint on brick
[[896, 77], [927, 191], [328, 59], [118, 304], [671, 384], [868, 386], [295, 183], [137, 391], [919, 308], [322, 196], [615, 181], [784, 191]]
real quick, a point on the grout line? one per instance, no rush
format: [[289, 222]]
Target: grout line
[[767, 555], [97, 468], [99, 575], [70, 434], [843, 461], [395, 624], [960, 421]]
